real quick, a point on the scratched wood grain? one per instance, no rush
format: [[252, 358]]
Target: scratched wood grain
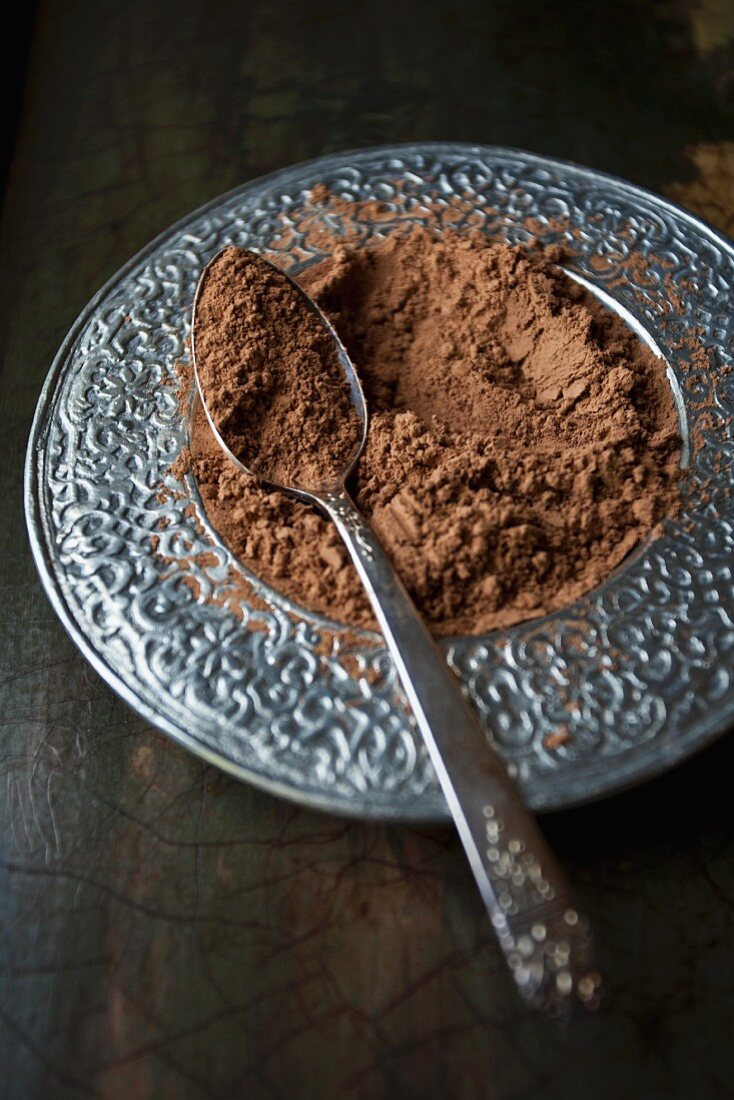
[[165, 931]]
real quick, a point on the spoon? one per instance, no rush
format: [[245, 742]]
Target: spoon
[[545, 940]]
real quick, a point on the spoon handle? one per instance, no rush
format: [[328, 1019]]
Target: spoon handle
[[545, 940]]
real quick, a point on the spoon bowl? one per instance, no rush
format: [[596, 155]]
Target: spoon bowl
[[356, 392]]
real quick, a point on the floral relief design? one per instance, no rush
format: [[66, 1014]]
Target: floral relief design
[[633, 676]]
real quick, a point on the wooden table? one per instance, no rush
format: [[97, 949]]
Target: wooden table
[[165, 931]]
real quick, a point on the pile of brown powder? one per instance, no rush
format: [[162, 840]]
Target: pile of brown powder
[[271, 375], [521, 441]]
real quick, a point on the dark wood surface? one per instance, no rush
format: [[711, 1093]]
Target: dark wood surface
[[165, 931]]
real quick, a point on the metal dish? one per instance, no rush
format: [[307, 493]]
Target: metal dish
[[638, 674]]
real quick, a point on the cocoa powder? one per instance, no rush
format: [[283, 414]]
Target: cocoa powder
[[522, 439], [271, 375]]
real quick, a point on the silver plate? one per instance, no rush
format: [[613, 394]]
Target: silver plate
[[639, 672]]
